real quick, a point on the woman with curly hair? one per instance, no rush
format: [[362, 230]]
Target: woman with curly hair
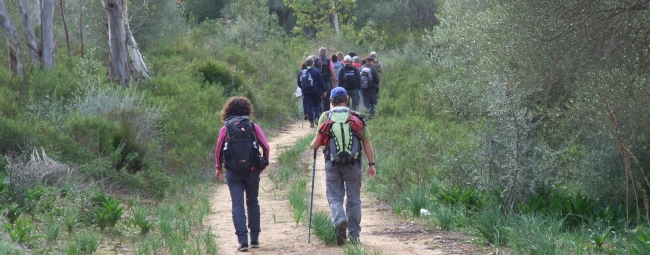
[[236, 135]]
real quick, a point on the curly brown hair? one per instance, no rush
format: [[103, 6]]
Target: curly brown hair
[[236, 106]]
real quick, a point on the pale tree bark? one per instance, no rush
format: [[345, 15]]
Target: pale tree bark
[[65, 26], [35, 11], [13, 41], [137, 67], [30, 37], [125, 60], [81, 27], [47, 33], [406, 15], [336, 18]]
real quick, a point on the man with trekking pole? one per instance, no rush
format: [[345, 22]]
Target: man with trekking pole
[[344, 135]]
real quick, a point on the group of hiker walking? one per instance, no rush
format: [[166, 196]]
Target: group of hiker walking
[[341, 131], [358, 76]]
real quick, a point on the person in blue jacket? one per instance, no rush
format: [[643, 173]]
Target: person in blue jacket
[[313, 89]]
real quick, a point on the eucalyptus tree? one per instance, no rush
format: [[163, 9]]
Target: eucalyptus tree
[[41, 54], [125, 60]]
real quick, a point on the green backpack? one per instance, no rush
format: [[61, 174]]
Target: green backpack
[[344, 139]]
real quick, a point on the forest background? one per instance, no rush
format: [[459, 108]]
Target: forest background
[[516, 118]]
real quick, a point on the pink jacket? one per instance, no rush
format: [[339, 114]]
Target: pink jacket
[[261, 141]]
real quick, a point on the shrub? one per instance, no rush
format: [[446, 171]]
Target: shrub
[[220, 74]]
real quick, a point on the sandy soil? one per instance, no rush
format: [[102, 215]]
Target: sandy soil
[[381, 230]]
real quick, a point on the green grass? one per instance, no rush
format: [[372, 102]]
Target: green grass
[[356, 249], [298, 198], [323, 227]]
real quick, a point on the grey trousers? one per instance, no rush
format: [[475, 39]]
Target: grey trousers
[[355, 98], [344, 181], [369, 100]]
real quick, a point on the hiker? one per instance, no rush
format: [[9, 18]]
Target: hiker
[[326, 68], [350, 81], [369, 86], [304, 106], [356, 61], [377, 62], [338, 64], [343, 169], [352, 54], [313, 89], [238, 152]]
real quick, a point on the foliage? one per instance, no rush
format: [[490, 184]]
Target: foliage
[[140, 219], [416, 200], [323, 227], [298, 199], [492, 225], [471, 199], [356, 249], [221, 74], [21, 230], [107, 211], [87, 242]]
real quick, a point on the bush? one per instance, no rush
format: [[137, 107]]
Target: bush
[[220, 74]]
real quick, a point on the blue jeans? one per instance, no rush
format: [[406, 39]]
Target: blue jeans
[[238, 185], [312, 105], [344, 183]]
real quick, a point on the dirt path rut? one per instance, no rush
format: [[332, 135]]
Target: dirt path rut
[[381, 230]]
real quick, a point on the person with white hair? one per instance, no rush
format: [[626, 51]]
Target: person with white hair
[[377, 62]]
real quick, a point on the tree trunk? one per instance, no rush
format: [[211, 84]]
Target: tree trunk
[[406, 15], [336, 18], [47, 33], [137, 67], [81, 27], [65, 26], [125, 59], [118, 61], [35, 11], [30, 37], [13, 41]]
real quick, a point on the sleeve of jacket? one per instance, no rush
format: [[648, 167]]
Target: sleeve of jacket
[[298, 80], [358, 74], [219, 148], [375, 76], [319, 79]]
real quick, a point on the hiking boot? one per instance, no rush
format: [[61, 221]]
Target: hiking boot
[[355, 240], [306, 117], [311, 125], [255, 244], [243, 247], [341, 232]]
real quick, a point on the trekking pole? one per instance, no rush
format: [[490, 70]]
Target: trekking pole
[[311, 202]]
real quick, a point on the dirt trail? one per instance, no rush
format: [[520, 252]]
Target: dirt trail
[[381, 230]]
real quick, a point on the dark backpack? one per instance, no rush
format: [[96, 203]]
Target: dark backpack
[[349, 78], [305, 79], [240, 151], [366, 78], [323, 65], [345, 129]]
